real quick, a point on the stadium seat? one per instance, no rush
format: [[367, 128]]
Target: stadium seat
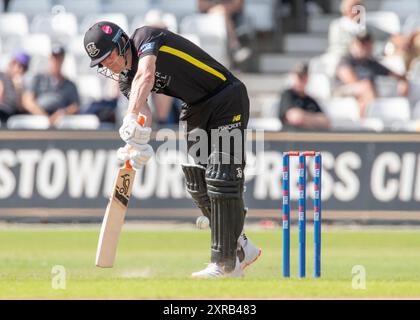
[[28, 122], [268, 124], [81, 7], [389, 109], [30, 7], [372, 124], [211, 30], [38, 64], [386, 86], [37, 44], [129, 7], [385, 21], [270, 106], [13, 24], [403, 8], [416, 111], [411, 23], [89, 87], [169, 19], [118, 18], [318, 86], [204, 24], [59, 25], [261, 13], [78, 122], [75, 46], [193, 38], [180, 8], [414, 92], [414, 71], [325, 63], [136, 22], [341, 108], [69, 68]]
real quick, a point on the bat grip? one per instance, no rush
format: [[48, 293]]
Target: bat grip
[[141, 121]]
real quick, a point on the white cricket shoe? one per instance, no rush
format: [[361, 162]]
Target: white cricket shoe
[[248, 253], [213, 271]]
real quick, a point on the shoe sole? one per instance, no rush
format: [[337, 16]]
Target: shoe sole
[[255, 259]]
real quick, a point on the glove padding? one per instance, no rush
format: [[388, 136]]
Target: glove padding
[[138, 156], [133, 133]]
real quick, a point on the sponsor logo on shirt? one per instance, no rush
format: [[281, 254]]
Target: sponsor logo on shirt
[[146, 47], [236, 118]]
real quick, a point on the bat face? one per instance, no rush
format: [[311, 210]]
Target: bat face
[[114, 218]]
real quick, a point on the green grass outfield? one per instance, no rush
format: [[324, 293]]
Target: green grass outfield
[[156, 264]]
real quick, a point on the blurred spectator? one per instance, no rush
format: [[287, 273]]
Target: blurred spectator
[[232, 11], [357, 73], [297, 109], [405, 47], [6, 5], [11, 86], [164, 107], [343, 29], [52, 94]]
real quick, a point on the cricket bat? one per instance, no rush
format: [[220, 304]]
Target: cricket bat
[[115, 214]]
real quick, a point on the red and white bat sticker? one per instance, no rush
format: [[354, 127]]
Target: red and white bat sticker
[[107, 29]]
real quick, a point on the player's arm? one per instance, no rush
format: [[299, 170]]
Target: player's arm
[[141, 87]]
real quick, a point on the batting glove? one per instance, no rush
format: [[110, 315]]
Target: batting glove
[[133, 133], [138, 156]]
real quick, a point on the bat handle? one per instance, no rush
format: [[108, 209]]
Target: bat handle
[[141, 120]]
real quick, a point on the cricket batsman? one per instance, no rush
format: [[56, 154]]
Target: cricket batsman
[[157, 60]]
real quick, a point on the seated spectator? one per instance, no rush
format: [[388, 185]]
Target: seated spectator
[[232, 11], [297, 109], [52, 94], [11, 86], [343, 29], [357, 73], [405, 47]]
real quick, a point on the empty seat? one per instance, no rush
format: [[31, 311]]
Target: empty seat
[[180, 8], [13, 24], [118, 18], [89, 87], [193, 38], [268, 124], [386, 21], [75, 46], [403, 8], [62, 24], [411, 23], [81, 7], [69, 68], [28, 122], [204, 24], [37, 44], [390, 109], [128, 7], [261, 13], [416, 111], [78, 122], [30, 7], [318, 86], [270, 106], [210, 28], [386, 86], [341, 108], [325, 63]]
